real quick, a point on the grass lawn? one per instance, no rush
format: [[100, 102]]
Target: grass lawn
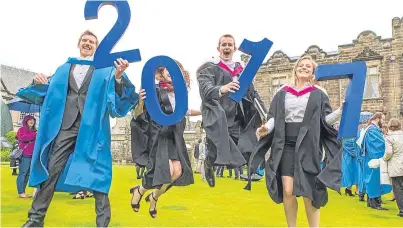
[[198, 205]]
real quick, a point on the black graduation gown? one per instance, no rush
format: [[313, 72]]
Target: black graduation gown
[[218, 114], [153, 147], [309, 180], [140, 139]]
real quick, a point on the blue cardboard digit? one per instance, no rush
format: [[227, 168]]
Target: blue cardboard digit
[[152, 103], [356, 72], [103, 56], [258, 51]]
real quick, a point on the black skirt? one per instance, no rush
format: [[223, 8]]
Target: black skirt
[[289, 155], [288, 158]]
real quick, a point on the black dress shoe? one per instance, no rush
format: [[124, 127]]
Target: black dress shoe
[[379, 208], [379, 200], [209, 173], [153, 213], [33, 223], [375, 204]]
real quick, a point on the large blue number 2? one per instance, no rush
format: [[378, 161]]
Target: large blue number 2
[[103, 56], [152, 102], [258, 51], [356, 71]]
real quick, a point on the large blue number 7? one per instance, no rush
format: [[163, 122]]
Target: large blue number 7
[[356, 71], [258, 51], [103, 56], [152, 102]]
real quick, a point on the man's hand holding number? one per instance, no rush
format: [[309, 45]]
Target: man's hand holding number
[[41, 78], [230, 87], [121, 65]]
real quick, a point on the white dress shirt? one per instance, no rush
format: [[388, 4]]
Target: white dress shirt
[[295, 107], [171, 96], [80, 71]]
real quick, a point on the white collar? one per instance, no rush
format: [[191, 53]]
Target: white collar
[[91, 58]]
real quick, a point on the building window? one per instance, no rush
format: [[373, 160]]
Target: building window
[[277, 83], [372, 83]]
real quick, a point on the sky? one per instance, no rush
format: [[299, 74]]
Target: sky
[[40, 35]]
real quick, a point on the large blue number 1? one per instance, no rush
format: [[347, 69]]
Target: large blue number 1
[[152, 102], [103, 56], [258, 51], [356, 71]]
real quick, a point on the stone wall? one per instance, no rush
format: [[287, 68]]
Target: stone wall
[[384, 59], [120, 142]]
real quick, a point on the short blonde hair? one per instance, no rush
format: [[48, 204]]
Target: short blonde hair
[[394, 124], [294, 70]]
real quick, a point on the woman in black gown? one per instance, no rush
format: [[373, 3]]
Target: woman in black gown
[[299, 126], [161, 149]]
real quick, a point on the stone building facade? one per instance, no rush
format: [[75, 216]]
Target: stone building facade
[[384, 60]]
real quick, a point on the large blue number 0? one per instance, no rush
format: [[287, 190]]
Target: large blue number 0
[[356, 71], [152, 102], [258, 51], [103, 56]]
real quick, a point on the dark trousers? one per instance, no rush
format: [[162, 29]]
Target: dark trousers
[[219, 171], [23, 174], [397, 184], [238, 171], [62, 148], [211, 155]]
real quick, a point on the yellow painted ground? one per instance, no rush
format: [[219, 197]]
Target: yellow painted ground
[[198, 205]]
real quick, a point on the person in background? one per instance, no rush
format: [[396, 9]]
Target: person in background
[[202, 157], [26, 136], [350, 166], [372, 147], [196, 155], [14, 163], [394, 157]]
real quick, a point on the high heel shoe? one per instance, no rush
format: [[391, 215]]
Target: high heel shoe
[[348, 192], [136, 207], [153, 213]]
